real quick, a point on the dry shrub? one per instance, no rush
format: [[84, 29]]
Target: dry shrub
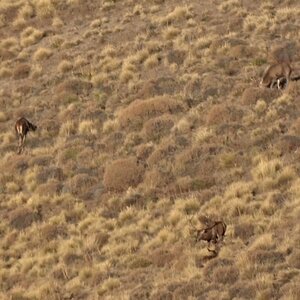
[[166, 147], [158, 87], [81, 184], [295, 127], [152, 61], [179, 13], [100, 79], [141, 292], [252, 95], [65, 66], [50, 232], [226, 274], [21, 71], [189, 290], [74, 86], [141, 110], [122, 174], [158, 127], [290, 290], [265, 257], [288, 144], [293, 89], [44, 8], [163, 257], [42, 54], [212, 86], [242, 290], [162, 294], [219, 114], [170, 32], [144, 150], [193, 92], [17, 164], [5, 72], [244, 230], [3, 117], [294, 259], [176, 56], [87, 127], [51, 188], [30, 36], [22, 217], [57, 22], [139, 262]]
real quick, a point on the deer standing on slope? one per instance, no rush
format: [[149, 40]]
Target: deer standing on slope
[[214, 233], [22, 127]]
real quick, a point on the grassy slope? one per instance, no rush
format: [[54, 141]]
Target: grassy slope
[[147, 114]]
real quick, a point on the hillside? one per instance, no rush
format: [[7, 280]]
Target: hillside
[[149, 118]]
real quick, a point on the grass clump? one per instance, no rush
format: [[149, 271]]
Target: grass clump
[[141, 110], [122, 174], [65, 66], [42, 54], [30, 36]]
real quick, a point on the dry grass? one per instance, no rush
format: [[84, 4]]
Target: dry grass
[[141, 110], [42, 54], [149, 118], [122, 174], [30, 36], [65, 66]]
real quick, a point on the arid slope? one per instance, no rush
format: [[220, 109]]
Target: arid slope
[[149, 115]]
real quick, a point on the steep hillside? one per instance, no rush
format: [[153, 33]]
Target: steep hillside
[[150, 117]]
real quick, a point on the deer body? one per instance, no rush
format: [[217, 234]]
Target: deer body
[[275, 73], [214, 233], [22, 127]]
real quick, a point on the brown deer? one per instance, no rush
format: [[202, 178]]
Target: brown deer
[[22, 127], [214, 233], [275, 74]]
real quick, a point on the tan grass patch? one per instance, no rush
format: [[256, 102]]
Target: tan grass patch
[[65, 66], [140, 110], [122, 174], [5, 72], [42, 54], [30, 36], [87, 127]]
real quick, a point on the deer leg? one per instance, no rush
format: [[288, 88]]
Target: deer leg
[[20, 144], [273, 83], [279, 80], [208, 247]]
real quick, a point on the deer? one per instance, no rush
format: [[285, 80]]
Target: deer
[[213, 233], [22, 127], [276, 74], [280, 70]]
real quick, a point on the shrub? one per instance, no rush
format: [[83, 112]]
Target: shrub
[[141, 110], [81, 183], [157, 127], [3, 117], [87, 127], [251, 95], [23, 217], [65, 66], [42, 54], [122, 174], [219, 114], [5, 72], [30, 36], [21, 71]]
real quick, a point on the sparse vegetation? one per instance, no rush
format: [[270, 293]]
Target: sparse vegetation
[[148, 114]]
